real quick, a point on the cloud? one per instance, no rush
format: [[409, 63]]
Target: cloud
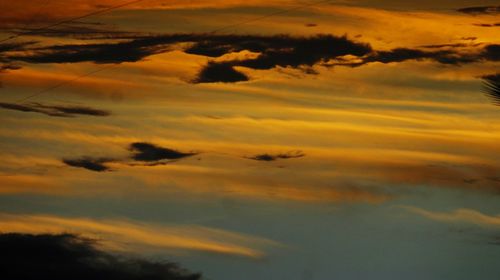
[[128, 51], [480, 10], [271, 157], [145, 153], [68, 256], [219, 72], [270, 51], [132, 236], [151, 153], [93, 164], [274, 50], [462, 215], [491, 85], [55, 110], [450, 55], [440, 56], [5, 47], [488, 24]]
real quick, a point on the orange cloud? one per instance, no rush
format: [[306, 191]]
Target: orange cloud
[[126, 235], [462, 215]]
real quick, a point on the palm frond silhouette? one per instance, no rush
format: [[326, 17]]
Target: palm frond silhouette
[[491, 86]]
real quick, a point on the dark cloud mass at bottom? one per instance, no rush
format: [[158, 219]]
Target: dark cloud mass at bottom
[[70, 257], [54, 110]]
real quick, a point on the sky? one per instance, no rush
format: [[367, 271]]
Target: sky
[[278, 139]]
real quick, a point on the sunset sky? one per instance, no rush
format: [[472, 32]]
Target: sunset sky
[[277, 139]]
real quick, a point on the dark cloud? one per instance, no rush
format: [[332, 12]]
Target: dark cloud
[[444, 56], [89, 163], [283, 51], [488, 24], [128, 51], [491, 86], [55, 110], [9, 67], [17, 46], [67, 256], [491, 52], [300, 52], [220, 72], [277, 50], [481, 10], [404, 54], [271, 157], [151, 153], [438, 46], [5, 48], [143, 154]]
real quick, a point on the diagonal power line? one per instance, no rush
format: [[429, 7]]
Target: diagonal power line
[[90, 73], [272, 15]]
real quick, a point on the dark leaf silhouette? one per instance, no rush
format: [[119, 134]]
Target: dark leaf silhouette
[[491, 86]]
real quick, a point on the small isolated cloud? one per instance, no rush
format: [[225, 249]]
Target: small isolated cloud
[[480, 10], [55, 110], [488, 24], [89, 163], [148, 152], [145, 153], [272, 157], [69, 256], [462, 215], [491, 86]]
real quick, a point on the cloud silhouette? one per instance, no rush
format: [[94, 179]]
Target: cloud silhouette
[[219, 72], [17, 46], [488, 24], [271, 157], [271, 51], [55, 110], [480, 10], [89, 163], [274, 50], [147, 152], [491, 86], [67, 256], [452, 55], [143, 154]]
